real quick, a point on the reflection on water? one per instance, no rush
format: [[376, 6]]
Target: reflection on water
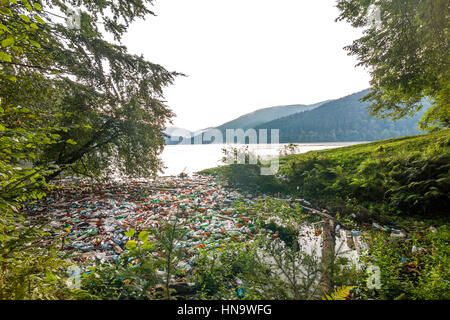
[[193, 158]]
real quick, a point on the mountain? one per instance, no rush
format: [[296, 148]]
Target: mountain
[[245, 122], [340, 120], [255, 118], [175, 133]]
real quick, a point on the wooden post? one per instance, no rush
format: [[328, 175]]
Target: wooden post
[[328, 248]]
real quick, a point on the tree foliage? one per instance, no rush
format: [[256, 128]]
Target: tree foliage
[[26, 272], [405, 45], [111, 100], [69, 99]]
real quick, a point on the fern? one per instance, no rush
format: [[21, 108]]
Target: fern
[[339, 294]]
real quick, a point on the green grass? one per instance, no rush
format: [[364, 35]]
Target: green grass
[[404, 176], [402, 183], [353, 156]]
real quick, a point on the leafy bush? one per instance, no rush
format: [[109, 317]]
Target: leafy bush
[[143, 267], [273, 265], [410, 176], [245, 175], [27, 271], [289, 235], [414, 269], [263, 269]]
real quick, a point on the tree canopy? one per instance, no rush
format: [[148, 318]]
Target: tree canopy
[[405, 45], [109, 101], [70, 101]]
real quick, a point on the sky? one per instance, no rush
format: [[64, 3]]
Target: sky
[[244, 55]]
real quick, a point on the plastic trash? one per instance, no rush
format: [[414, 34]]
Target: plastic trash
[[99, 217], [377, 226], [241, 292], [398, 235]]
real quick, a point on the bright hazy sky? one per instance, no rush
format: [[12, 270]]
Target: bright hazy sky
[[243, 55]]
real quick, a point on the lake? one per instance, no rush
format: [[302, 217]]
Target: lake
[[193, 158]]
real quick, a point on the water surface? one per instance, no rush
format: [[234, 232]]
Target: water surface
[[193, 158]]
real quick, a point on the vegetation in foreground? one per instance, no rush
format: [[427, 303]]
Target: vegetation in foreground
[[62, 110], [70, 102], [402, 182], [403, 177]]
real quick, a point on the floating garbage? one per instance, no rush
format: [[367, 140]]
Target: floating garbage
[[398, 235], [377, 226], [420, 250], [94, 219]]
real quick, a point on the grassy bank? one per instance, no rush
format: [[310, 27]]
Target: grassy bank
[[398, 183], [406, 176]]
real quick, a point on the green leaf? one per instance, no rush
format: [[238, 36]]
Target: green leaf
[[39, 19], [131, 244], [27, 5], [147, 245], [130, 233], [143, 236], [11, 78], [37, 6], [7, 42], [34, 43], [5, 11], [3, 27], [5, 57], [18, 49], [339, 293], [24, 18], [70, 141]]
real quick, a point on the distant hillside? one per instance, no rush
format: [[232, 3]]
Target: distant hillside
[[261, 116], [177, 131], [175, 135], [249, 120], [340, 120], [344, 119]]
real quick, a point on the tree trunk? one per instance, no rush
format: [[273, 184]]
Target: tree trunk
[[328, 248]]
